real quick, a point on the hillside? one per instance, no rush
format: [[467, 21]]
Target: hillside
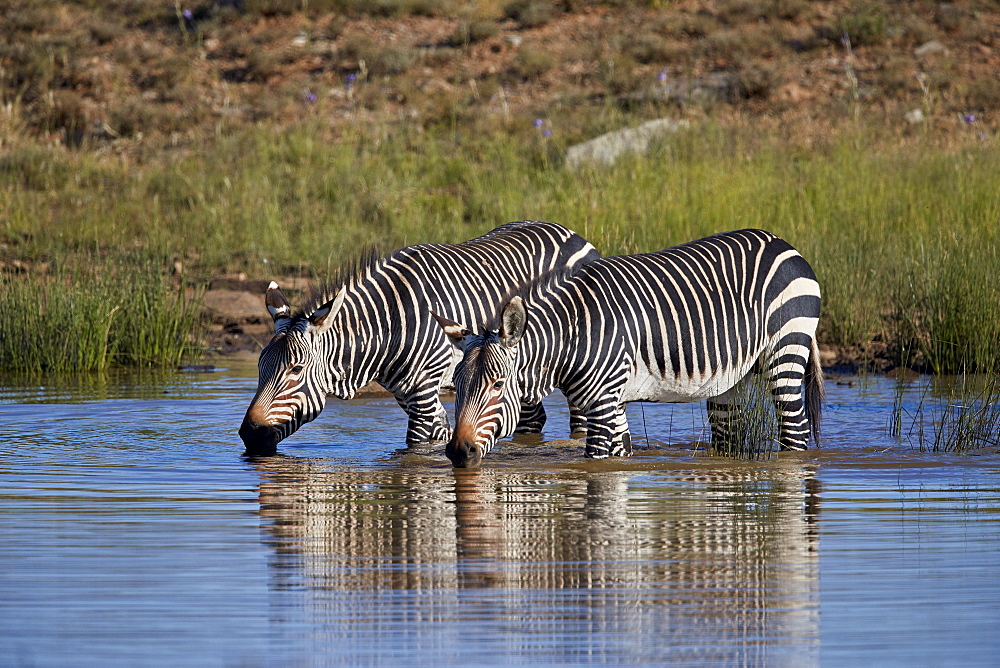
[[134, 77]]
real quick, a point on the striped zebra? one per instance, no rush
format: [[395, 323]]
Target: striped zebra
[[682, 324], [376, 323]]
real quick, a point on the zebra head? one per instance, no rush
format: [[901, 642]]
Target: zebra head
[[292, 379], [487, 394]]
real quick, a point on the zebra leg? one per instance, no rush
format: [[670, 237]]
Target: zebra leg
[[531, 420], [621, 445], [607, 432], [577, 421], [724, 418], [428, 420], [785, 377]]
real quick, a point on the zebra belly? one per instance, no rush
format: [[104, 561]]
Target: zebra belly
[[646, 384]]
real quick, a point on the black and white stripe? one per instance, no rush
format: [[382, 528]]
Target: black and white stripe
[[682, 324], [378, 323]]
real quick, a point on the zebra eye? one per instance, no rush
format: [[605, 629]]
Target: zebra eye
[[297, 368], [498, 385]]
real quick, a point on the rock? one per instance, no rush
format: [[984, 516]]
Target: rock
[[606, 149], [715, 87], [914, 116], [931, 48], [793, 93]]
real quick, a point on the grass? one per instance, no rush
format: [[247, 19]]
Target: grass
[[91, 317], [901, 233], [754, 427], [954, 415]]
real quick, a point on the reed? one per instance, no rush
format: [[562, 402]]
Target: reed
[[93, 317], [959, 415], [756, 434]]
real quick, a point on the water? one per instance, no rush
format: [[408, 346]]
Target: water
[[132, 532]]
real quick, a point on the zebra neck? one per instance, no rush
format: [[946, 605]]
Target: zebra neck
[[546, 357], [358, 345]]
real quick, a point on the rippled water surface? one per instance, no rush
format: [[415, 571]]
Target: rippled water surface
[[133, 532]]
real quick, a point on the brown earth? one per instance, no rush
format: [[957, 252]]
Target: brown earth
[[144, 78]]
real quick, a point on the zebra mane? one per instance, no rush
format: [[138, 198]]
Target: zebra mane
[[531, 291], [351, 272]]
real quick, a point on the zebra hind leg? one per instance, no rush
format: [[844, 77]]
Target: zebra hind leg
[[577, 421], [725, 419], [785, 377]]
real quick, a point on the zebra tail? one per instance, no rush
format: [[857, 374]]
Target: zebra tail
[[815, 392]]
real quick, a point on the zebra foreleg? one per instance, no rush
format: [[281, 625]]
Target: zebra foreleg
[[531, 420], [607, 432], [428, 420]]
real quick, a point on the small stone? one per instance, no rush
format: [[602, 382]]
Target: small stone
[[931, 48], [914, 116]]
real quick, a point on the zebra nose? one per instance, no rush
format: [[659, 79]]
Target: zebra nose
[[463, 453], [259, 439]]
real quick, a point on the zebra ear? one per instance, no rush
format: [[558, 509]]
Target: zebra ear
[[322, 318], [455, 331], [277, 305], [512, 322]]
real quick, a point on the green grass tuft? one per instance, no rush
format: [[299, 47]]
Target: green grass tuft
[[90, 318]]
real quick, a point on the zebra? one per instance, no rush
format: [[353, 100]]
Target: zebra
[[682, 324], [375, 323]]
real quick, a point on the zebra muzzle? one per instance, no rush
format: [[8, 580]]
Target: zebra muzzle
[[260, 440], [463, 453]]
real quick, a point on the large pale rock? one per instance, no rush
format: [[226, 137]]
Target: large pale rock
[[606, 149]]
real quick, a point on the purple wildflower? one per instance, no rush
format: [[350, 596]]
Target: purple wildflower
[[350, 79], [546, 133], [309, 96], [539, 123], [662, 76], [187, 14], [970, 118]]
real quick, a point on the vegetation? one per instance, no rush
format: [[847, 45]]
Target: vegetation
[[92, 316], [953, 415], [904, 239], [755, 435]]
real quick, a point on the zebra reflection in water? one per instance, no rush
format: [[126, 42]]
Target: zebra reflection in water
[[717, 563]]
